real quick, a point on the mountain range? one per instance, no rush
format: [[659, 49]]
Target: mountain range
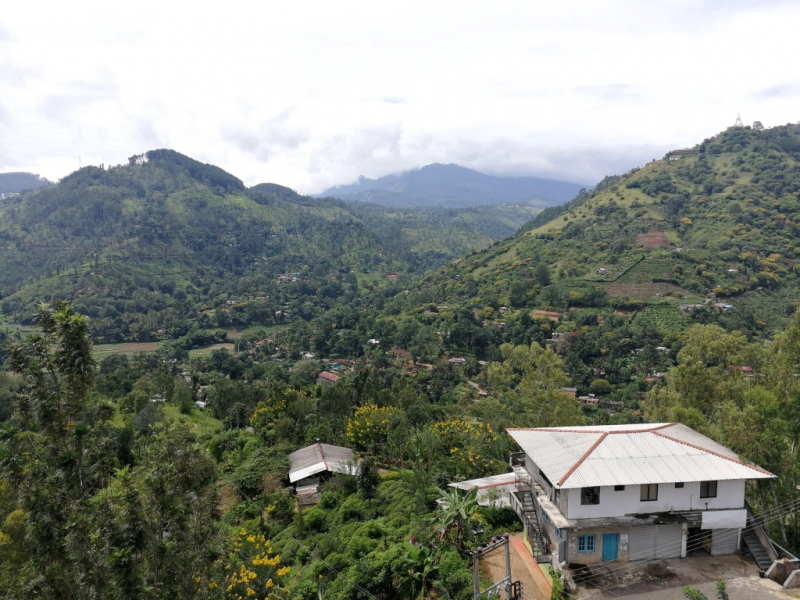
[[454, 186], [149, 246], [708, 232]]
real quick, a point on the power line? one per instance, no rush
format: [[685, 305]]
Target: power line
[[790, 506], [296, 541], [638, 564]]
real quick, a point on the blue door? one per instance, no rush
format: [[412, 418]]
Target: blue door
[[610, 546]]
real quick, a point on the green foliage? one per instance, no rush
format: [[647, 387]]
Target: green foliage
[[558, 589]]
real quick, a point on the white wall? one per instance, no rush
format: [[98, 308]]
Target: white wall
[[730, 494]]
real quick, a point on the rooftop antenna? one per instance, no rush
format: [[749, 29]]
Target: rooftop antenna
[[738, 121]]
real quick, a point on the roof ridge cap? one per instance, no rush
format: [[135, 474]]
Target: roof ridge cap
[[598, 430], [322, 455], [583, 458], [733, 460]]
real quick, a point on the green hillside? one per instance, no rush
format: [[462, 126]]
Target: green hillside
[[615, 279], [153, 248], [715, 226]]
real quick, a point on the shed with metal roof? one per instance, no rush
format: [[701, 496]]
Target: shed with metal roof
[[319, 458]]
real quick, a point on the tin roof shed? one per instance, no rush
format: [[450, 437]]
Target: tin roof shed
[[319, 458]]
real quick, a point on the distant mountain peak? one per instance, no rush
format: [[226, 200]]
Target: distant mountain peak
[[449, 184]]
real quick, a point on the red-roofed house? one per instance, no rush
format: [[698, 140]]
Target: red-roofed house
[[326, 378]]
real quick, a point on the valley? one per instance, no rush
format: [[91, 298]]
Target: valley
[[215, 330]]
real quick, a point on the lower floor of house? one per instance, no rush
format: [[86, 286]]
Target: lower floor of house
[[645, 542]]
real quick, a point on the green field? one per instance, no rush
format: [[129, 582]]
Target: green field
[[207, 350], [101, 351], [200, 421]]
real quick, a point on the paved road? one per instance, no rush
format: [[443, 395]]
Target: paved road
[[523, 568], [663, 581]]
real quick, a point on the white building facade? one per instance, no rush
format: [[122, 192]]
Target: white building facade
[[629, 492]]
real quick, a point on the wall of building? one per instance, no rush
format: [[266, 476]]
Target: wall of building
[[730, 494], [537, 476], [589, 558]]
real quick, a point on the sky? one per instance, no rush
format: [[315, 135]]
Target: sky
[[314, 94]]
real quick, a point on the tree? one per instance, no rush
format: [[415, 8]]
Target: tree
[[542, 274], [529, 380], [456, 513], [420, 568], [758, 126], [367, 478], [600, 386]]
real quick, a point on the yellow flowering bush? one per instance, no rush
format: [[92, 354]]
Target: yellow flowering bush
[[370, 425], [251, 571], [266, 413], [472, 448]]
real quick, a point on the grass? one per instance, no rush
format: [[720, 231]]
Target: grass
[[234, 333], [199, 421], [207, 350], [101, 351]]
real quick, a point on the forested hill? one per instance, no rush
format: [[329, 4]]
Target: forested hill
[[19, 182], [454, 186], [712, 225], [160, 243]]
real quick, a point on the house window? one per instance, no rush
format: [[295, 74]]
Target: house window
[[619, 488], [590, 495], [649, 492], [586, 543], [678, 485], [708, 489]]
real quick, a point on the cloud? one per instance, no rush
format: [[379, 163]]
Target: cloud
[[332, 92], [264, 139], [780, 90]]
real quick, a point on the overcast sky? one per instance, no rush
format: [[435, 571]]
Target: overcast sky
[[314, 94]]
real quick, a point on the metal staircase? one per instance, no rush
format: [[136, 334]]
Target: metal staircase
[[756, 548]]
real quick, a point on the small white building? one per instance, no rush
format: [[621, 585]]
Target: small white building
[[629, 492], [492, 491]]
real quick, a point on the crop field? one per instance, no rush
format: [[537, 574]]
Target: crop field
[[644, 291], [647, 270], [101, 351], [664, 319], [614, 272]]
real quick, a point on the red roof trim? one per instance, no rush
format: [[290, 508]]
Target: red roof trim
[[582, 458], [322, 455], [733, 460]]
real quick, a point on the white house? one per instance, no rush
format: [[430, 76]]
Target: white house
[[628, 492]]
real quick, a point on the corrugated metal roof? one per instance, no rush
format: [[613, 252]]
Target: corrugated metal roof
[[318, 458], [486, 482], [507, 482], [578, 457]]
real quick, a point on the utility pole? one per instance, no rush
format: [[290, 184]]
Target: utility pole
[[503, 584]]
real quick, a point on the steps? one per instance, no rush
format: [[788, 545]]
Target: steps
[[757, 549]]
